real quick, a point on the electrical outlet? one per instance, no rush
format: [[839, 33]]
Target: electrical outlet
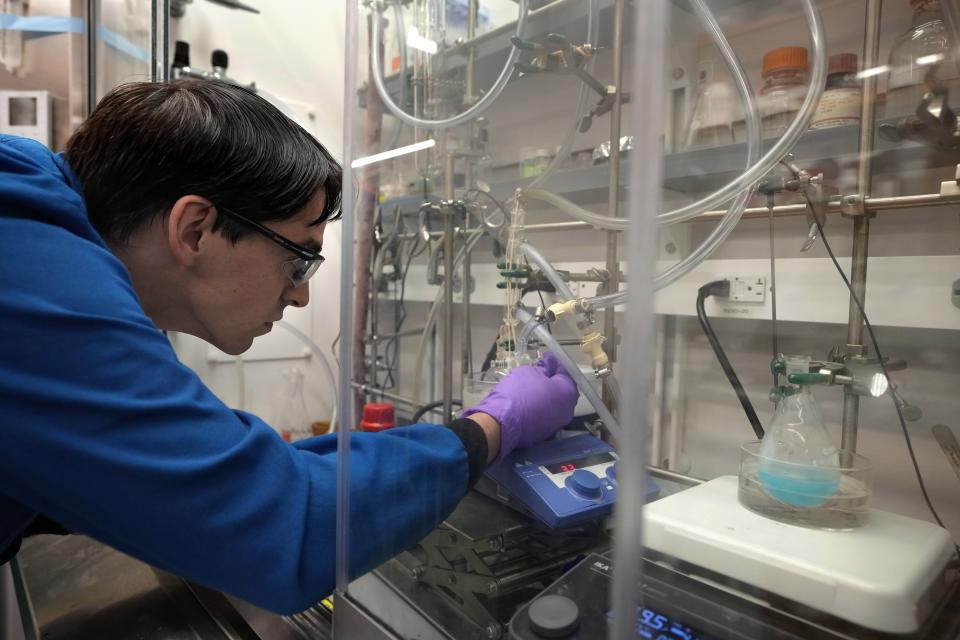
[[748, 289]]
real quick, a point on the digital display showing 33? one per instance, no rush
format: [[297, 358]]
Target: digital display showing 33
[[579, 463]]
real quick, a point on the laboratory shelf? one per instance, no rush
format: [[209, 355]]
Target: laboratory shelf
[[701, 170], [830, 151]]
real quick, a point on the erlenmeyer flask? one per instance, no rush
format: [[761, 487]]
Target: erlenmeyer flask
[[713, 112], [294, 423], [799, 465]]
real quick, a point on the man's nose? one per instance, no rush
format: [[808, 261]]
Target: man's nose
[[298, 296]]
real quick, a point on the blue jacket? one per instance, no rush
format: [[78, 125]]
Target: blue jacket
[[104, 431]]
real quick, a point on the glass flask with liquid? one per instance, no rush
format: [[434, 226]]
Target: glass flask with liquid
[[294, 422], [799, 464], [924, 43]]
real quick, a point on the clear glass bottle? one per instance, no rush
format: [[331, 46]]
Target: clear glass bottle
[[799, 464], [912, 54], [294, 422], [784, 87], [842, 97]]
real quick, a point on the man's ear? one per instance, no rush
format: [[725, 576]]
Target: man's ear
[[190, 227]]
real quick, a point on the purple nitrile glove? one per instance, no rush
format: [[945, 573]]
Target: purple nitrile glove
[[531, 404]]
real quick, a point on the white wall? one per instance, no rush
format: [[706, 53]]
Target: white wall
[[294, 51]]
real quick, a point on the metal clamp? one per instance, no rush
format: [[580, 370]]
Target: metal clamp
[[568, 58]]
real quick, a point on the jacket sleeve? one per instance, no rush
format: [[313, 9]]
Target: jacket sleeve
[[104, 431]]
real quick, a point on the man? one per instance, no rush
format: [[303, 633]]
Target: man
[[198, 207]]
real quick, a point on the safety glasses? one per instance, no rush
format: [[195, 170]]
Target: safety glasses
[[299, 269]]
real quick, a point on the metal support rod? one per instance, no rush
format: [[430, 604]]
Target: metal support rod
[[466, 364], [449, 236], [433, 362], [90, 20], [389, 336], [373, 306], [666, 474], [367, 389], [473, 7], [892, 203], [613, 187], [466, 359], [861, 222], [160, 41]]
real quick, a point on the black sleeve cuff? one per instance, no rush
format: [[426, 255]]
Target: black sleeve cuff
[[475, 442]]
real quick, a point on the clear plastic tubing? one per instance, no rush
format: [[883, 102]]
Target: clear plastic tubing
[[523, 340], [608, 300], [571, 367], [755, 171], [481, 105], [613, 388], [402, 52], [537, 258]]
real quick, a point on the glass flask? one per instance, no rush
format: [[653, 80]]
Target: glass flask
[[293, 422], [713, 113], [799, 464], [912, 54]]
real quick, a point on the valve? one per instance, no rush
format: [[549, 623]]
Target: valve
[[592, 345]]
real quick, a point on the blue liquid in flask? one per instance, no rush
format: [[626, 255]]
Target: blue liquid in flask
[[799, 486]]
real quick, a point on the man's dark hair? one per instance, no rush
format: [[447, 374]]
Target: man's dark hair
[[148, 144]]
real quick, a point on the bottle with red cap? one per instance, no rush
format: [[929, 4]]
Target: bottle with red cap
[[842, 97], [377, 416], [784, 87]]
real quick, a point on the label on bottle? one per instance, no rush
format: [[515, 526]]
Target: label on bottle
[[837, 108]]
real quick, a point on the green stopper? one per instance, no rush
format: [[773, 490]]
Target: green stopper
[[777, 365], [508, 285], [514, 273], [807, 378]]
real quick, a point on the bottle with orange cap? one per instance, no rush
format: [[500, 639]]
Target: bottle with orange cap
[[784, 86]]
